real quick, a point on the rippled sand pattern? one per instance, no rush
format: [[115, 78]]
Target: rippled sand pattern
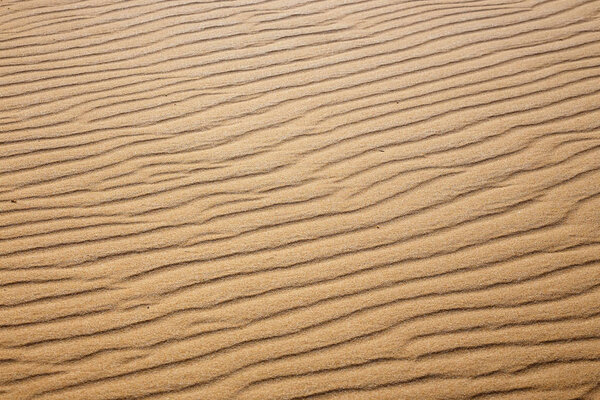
[[299, 199]]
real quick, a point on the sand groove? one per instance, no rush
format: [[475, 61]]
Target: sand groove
[[300, 199]]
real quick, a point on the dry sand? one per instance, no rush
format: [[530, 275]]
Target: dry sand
[[307, 199]]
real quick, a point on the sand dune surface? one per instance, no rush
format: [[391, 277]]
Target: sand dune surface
[[300, 199]]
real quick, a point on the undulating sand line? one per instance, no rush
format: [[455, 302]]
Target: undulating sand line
[[299, 199]]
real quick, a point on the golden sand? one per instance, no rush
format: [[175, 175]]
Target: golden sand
[[299, 199]]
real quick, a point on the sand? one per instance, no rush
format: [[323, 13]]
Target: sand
[[299, 199]]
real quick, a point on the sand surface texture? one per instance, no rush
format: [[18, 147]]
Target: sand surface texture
[[299, 199]]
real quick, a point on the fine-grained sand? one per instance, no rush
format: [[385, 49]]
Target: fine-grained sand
[[299, 199]]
